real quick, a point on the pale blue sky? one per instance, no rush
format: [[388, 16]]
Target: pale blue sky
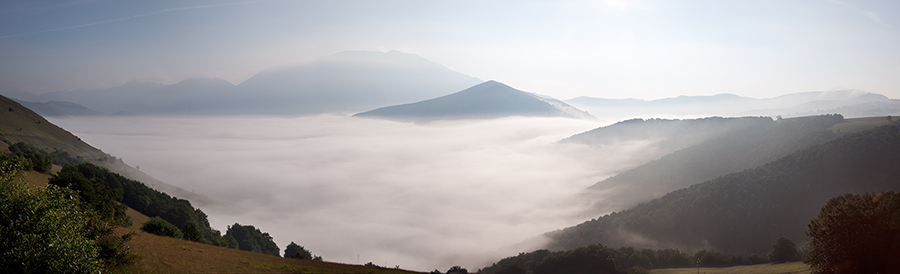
[[612, 49]]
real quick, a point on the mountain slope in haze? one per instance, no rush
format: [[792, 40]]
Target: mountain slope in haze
[[487, 100], [59, 108], [664, 135], [745, 212], [750, 143], [351, 81], [20, 124], [789, 105], [191, 96]]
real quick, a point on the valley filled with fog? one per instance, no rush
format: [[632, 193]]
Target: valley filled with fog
[[421, 196]]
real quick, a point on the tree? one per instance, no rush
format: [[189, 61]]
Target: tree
[[297, 252], [457, 270], [784, 250], [251, 239], [192, 231], [856, 234]]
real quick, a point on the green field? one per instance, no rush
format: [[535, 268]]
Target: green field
[[785, 268]]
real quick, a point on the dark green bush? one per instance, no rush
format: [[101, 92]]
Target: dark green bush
[[158, 226]]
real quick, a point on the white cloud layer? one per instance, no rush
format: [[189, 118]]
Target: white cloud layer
[[419, 196]]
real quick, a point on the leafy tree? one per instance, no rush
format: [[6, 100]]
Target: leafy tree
[[457, 270], [297, 252], [784, 250], [251, 239], [158, 226], [856, 234], [41, 232], [192, 231]]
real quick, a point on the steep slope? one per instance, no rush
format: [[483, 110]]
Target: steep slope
[[744, 144], [487, 100], [744, 212], [350, 81], [20, 124]]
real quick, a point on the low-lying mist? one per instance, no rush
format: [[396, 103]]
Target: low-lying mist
[[421, 196]]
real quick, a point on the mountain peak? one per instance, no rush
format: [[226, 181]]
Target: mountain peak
[[490, 99]]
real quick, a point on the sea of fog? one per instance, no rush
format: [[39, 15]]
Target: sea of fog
[[354, 190]]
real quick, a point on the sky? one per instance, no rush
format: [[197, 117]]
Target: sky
[[422, 196], [601, 48]]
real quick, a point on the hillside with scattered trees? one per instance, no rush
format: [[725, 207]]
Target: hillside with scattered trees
[[743, 212]]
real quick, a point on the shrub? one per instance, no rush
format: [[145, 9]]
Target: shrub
[[41, 232], [158, 226]]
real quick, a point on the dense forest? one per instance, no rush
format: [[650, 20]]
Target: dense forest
[[743, 212], [741, 143]]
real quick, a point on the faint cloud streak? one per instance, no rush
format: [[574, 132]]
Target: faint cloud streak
[[130, 17]]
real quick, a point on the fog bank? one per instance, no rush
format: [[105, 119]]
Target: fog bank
[[421, 196]]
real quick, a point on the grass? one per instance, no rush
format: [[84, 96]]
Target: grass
[[859, 124], [156, 254], [785, 268]]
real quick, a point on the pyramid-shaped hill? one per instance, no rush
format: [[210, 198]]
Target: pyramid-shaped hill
[[487, 100]]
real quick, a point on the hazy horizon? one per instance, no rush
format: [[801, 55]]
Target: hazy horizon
[[607, 48]]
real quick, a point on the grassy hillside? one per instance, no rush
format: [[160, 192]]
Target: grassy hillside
[[737, 144], [158, 254], [745, 212], [20, 124], [785, 268]]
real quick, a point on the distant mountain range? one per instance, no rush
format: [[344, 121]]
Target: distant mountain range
[[850, 103], [487, 100], [356, 81], [351, 81]]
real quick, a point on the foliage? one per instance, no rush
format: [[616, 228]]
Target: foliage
[[192, 231], [251, 239], [856, 234], [741, 213], [148, 201], [297, 252], [457, 270], [37, 159], [784, 250], [41, 232], [95, 194], [158, 226]]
